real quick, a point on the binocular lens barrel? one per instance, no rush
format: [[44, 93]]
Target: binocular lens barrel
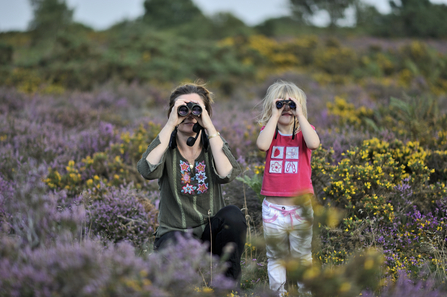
[[184, 110], [290, 103], [196, 110]]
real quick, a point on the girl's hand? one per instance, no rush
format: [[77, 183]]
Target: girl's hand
[[275, 111], [299, 109]]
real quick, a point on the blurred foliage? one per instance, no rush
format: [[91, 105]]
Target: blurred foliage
[[305, 9], [360, 272], [132, 52], [162, 14], [50, 17], [412, 18], [175, 41], [6, 51]]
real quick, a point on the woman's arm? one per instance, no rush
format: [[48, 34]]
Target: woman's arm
[[221, 161], [164, 136], [149, 170], [155, 156]]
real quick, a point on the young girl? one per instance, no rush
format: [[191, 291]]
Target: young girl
[[288, 139]]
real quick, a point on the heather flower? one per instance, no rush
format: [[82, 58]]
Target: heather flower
[[118, 215], [406, 287], [188, 264], [33, 213]]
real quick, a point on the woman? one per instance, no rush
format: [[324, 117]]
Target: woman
[[190, 174]]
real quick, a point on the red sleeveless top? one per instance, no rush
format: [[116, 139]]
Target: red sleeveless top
[[287, 168]]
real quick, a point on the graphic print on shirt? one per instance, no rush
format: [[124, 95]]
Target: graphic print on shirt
[[275, 166], [292, 152], [291, 167], [280, 154], [187, 180]]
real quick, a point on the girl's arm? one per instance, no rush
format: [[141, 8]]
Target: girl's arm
[[265, 138], [310, 135]]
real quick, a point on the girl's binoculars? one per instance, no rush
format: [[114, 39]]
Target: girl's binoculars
[[194, 108], [290, 103]]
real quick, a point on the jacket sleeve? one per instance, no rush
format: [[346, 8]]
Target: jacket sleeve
[[236, 167], [148, 170]]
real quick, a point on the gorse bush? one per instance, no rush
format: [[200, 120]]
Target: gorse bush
[[347, 114], [368, 184], [377, 168], [115, 166]]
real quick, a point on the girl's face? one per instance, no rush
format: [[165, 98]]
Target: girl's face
[[187, 124], [287, 116]]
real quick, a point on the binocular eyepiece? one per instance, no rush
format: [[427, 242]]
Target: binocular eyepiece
[[290, 103], [192, 107]]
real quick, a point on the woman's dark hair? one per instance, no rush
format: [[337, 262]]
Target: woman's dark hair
[[192, 88]]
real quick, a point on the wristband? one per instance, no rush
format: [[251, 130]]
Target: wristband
[[214, 135]]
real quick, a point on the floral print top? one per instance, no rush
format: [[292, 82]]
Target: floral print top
[[189, 193], [193, 183]]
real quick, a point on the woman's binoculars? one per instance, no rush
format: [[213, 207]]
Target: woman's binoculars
[[192, 107], [290, 103]]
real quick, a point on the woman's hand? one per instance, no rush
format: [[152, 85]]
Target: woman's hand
[[174, 119], [204, 119]]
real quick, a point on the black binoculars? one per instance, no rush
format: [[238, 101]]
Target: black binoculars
[[192, 107], [290, 103]]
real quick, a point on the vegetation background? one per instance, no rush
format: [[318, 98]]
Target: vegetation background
[[79, 107]]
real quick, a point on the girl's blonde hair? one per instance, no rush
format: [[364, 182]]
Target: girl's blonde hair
[[281, 90]]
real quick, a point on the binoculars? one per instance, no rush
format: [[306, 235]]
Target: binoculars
[[290, 103], [194, 108]]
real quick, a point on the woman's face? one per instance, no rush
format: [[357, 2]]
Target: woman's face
[[187, 124]]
